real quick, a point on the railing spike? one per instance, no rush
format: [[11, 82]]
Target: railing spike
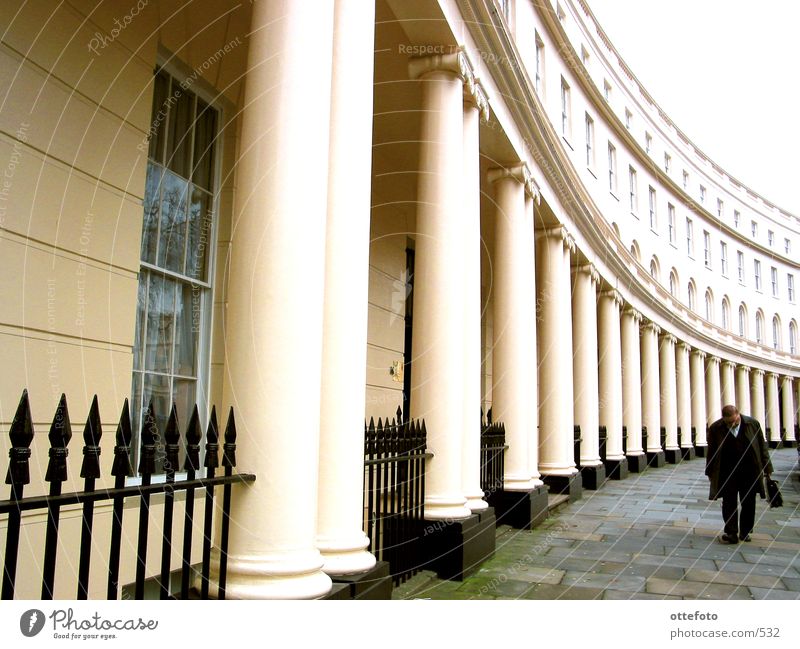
[[122, 460], [193, 437], [92, 431], [212, 441], [21, 435], [399, 413], [150, 437], [60, 434], [229, 448], [172, 439]]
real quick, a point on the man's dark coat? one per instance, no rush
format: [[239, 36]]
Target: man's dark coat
[[755, 462]]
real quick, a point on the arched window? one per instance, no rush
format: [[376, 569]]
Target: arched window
[[615, 227], [709, 305], [726, 314], [691, 293], [742, 321], [654, 269], [776, 333], [792, 337], [635, 251], [673, 284], [759, 328]]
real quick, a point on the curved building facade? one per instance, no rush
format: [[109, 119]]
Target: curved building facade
[[438, 205]]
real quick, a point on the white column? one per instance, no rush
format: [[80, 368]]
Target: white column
[[610, 369], [757, 402], [743, 389], [340, 535], [787, 404], [437, 390], [698, 386], [554, 319], [669, 411], [631, 379], [651, 391], [773, 416], [514, 359], [713, 392], [475, 103], [531, 200], [728, 383], [684, 394], [584, 361], [274, 317], [797, 403]]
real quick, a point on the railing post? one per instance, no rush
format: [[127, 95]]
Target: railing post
[[18, 475], [172, 438], [191, 466], [59, 436], [147, 466], [121, 469], [211, 463], [228, 462], [90, 471]]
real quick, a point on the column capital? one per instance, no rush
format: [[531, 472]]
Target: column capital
[[727, 363], [772, 375], [668, 337], [632, 313], [561, 232], [700, 354], [519, 172], [757, 373], [613, 294], [714, 359], [652, 326], [438, 58], [746, 368], [684, 346], [588, 269]]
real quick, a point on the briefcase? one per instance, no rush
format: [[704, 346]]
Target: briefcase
[[774, 494]]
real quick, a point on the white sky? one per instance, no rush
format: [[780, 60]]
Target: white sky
[[727, 72]]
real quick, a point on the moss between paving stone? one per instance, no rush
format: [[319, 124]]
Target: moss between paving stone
[[550, 591]]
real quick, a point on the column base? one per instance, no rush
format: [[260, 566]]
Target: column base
[[700, 451], [656, 459], [522, 510], [688, 453], [672, 455], [773, 444], [338, 591], [592, 477], [457, 549], [617, 469], [637, 463], [568, 485], [375, 583], [789, 443]]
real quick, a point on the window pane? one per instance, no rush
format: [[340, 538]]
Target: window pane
[[187, 329], [173, 222], [184, 396], [160, 111], [205, 128], [141, 303], [150, 224], [160, 323], [200, 214], [156, 388], [179, 135]]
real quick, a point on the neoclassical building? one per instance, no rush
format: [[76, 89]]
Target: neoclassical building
[[318, 212]]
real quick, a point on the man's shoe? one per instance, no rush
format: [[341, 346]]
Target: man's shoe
[[728, 539], [746, 538]]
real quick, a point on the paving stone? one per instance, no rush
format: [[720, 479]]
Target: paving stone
[[769, 593], [758, 568], [791, 583], [549, 591], [495, 587], [696, 590], [597, 580], [621, 594], [733, 578]]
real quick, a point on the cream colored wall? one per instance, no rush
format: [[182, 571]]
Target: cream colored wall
[[76, 114]]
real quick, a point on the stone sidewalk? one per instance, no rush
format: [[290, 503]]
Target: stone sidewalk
[[651, 536]]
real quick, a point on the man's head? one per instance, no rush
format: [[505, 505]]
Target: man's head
[[730, 415]]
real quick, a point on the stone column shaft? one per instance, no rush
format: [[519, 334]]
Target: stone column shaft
[[787, 404], [514, 322], [340, 535], [631, 380], [669, 411], [273, 322], [728, 383], [713, 392], [554, 319], [584, 361], [743, 390], [651, 391], [698, 397], [757, 402], [684, 394], [437, 390], [610, 381], [773, 408]]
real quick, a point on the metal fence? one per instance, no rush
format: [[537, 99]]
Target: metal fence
[[18, 476], [394, 492], [493, 448]]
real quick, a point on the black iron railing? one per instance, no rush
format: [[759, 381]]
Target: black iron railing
[[493, 448], [394, 493], [602, 440], [576, 445], [60, 434]]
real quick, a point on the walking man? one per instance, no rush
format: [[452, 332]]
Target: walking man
[[736, 463]]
